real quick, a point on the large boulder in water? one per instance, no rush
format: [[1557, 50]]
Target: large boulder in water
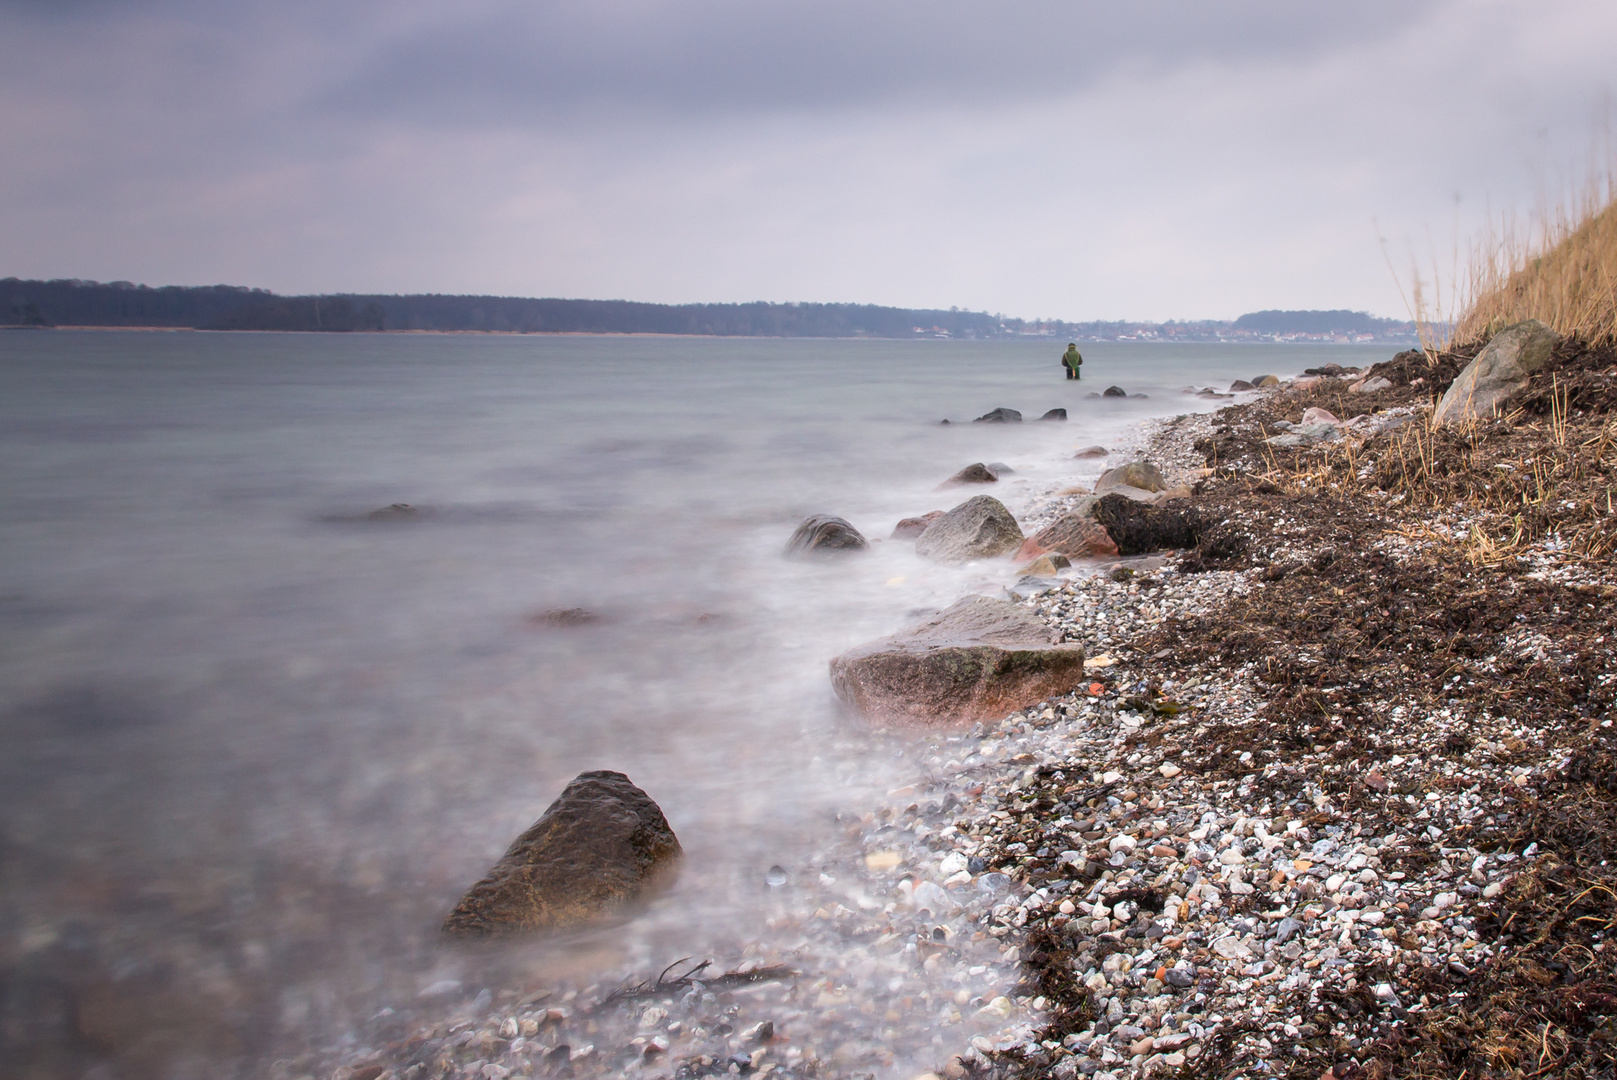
[[1114, 391], [1055, 414], [823, 534], [1077, 534], [602, 844], [1499, 372], [976, 473], [979, 528], [999, 416], [977, 660]]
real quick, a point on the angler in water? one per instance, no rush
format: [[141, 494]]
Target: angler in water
[[1072, 360]]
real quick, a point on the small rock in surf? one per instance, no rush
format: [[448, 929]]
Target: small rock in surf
[[396, 512], [976, 473], [824, 534], [573, 616]]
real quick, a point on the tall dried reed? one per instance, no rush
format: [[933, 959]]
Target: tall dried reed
[[1560, 268]]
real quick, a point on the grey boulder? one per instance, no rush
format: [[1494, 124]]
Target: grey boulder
[[978, 659], [1141, 476], [999, 416], [979, 528], [1305, 434], [1499, 372], [1138, 480]]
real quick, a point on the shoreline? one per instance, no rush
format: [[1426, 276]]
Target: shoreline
[[820, 927], [715, 337], [1374, 811], [1232, 857], [860, 915]]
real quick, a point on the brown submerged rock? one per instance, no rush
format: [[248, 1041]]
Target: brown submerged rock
[[1077, 535], [978, 659], [976, 473], [573, 616], [603, 843], [1047, 565], [396, 512], [911, 527]]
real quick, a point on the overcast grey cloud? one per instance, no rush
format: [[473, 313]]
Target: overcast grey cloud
[[1082, 160], [519, 62]]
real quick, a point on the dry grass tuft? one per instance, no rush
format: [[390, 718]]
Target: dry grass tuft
[[1562, 272]]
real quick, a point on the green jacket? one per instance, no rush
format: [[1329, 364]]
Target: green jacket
[[1072, 358]]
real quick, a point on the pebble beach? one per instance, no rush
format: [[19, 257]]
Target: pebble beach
[[1166, 871]]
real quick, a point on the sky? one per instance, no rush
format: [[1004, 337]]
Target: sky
[[1074, 159]]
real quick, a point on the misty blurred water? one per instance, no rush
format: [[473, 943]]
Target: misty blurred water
[[258, 744]]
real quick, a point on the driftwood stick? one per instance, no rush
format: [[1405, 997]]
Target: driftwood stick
[[663, 986]]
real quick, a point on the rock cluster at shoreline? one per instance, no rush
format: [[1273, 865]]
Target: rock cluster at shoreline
[[1372, 828]]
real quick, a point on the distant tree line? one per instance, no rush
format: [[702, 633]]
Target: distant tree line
[[304, 313], [1316, 322], [227, 307], [88, 303], [72, 302]]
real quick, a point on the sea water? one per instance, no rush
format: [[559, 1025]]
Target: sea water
[[258, 741]]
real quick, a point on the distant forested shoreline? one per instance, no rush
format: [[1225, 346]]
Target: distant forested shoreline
[[75, 302]]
